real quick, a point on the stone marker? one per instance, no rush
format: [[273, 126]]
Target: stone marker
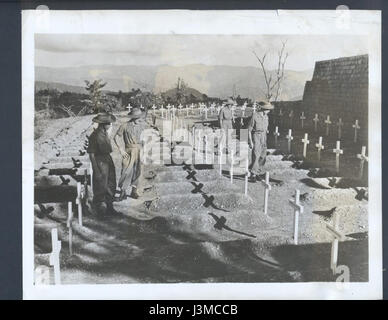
[[356, 127], [69, 224], [305, 141], [337, 152], [302, 118], [337, 235], [289, 137], [267, 188], [328, 123], [339, 125], [316, 120], [320, 147], [298, 208], [362, 156]]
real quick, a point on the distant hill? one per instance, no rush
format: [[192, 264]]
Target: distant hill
[[40, 85], [188, 91], [214, 81]]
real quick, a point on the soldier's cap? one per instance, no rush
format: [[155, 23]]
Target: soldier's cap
[[104, 117], [136, 113], [264, 105]]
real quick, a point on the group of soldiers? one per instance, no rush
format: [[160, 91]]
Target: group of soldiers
[[104, 173], [105, 191]]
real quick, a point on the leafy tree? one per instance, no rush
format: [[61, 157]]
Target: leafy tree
[[96, 98]]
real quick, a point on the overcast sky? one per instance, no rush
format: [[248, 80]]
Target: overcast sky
[[56, 50]]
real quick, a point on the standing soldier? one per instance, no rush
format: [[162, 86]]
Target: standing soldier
[[130, 133], [257, 135], [226, 123], [104, 175]]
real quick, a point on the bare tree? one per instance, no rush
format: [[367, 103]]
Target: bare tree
[[273, 80]]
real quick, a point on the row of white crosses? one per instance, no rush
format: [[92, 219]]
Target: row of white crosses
[[327, 122], [338, 151]]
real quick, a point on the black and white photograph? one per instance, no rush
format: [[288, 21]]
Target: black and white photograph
[[213, 154]]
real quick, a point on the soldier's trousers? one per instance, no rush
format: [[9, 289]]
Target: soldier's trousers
[[131, 168], [104, 185], [259, 151], [226, 128]]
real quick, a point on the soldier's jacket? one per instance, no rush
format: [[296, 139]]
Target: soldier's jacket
[[131, 133], [99, 143], [225, 114], [258, 122]]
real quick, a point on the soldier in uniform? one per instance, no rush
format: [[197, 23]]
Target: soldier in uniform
[[257, 135], [104, 175], [130, 134], [226, 122]]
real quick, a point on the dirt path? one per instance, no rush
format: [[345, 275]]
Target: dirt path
[[194, 225]]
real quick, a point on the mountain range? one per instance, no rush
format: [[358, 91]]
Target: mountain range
[[214, 81]]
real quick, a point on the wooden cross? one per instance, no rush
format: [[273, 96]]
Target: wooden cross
[[231, 167], [220, 158], [276, 134], [129, 107], [362, 156], [78, 201], [180, 109], [205, 108], [54, 255], [69, 224], [206, 147], [289, 137], [291, 115], [302, 118], [337, 152], [316, 120], [320, 147], [337, 235], [298, 208], [267, 187], [328, 123], [339, 125], [254, 107], [246, 176], [154, 107], [305, 141], [162, 109], [187, 110], [356, 127]]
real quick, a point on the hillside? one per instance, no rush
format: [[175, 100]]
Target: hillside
[[214, 81]]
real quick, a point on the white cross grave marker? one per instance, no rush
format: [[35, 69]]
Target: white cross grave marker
[[69, 224], [305, 141], [328, 123], [153, 107], [162, 110], [337, 235], [78, 201], [220, 158], [254, 107], [246, 176], [302, 118], [54, 255], [362, 156], [231, 167], [267, 187], [356, 127], [320, 147], [289, 137], [291, 116], [339, 125], [337, 152], [276, 134], [298, 208], [316, 120], [281, 116]]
